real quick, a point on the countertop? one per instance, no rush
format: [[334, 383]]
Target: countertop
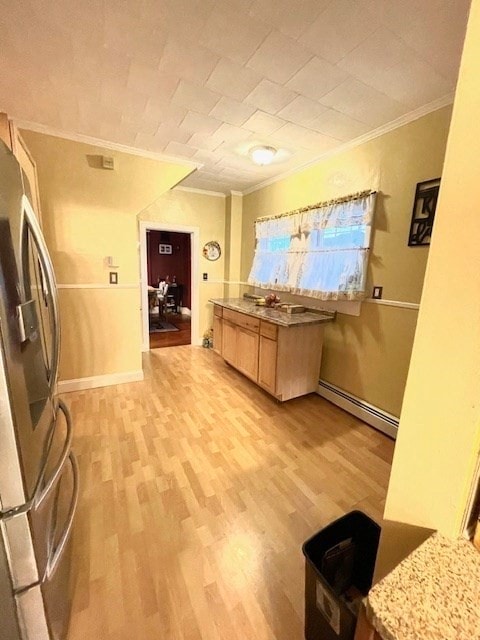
[[274, 315], [434, 594]]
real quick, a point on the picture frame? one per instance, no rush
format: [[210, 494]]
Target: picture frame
[[423, 213]]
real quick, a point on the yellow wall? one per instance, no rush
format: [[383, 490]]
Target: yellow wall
[[233, 244], [90, 213], [207, 213], [439, 435], [368, 356]]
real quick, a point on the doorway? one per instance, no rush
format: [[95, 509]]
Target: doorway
[[169, 255]]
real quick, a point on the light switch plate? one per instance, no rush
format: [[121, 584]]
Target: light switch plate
[[377, 293], [205, 276], [113, 277]]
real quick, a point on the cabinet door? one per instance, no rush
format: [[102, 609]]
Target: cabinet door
[[247, 353], [267, 364], [229, 342], [29, 169], [217, 335]]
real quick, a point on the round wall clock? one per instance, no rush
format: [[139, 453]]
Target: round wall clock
[[212, 251]]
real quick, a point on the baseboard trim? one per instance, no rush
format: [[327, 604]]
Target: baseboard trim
[[92, 382], [375, 417]]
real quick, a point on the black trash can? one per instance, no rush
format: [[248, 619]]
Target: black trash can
[[339, 564]]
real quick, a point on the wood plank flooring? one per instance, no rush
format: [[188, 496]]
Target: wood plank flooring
[[197, 492], [173, 338]]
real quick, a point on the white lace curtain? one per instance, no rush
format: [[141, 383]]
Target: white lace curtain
[[321, 252]]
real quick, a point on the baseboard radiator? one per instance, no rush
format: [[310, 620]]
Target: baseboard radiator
[[370, 414]]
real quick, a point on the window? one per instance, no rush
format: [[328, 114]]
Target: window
[[321, 251]]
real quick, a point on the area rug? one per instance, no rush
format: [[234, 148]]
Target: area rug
[[162, 327]]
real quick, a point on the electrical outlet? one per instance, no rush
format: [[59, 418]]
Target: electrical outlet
[[377, 293], [205, 276], [113, 277]]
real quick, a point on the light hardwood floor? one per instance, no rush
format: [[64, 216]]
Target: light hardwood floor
[[197, 492]]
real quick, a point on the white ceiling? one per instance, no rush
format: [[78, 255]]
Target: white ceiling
[[205, 80]]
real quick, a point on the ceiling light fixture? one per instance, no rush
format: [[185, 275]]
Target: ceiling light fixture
[[262, 155]]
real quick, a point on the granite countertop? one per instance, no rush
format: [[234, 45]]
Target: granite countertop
[[274, 315], [434, 594]]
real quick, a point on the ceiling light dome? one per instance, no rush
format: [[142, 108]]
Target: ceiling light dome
[[262, 155]]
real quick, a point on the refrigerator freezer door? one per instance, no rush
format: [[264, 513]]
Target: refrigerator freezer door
[[9, 625], [29, 336], [44, 609], [54, 499]]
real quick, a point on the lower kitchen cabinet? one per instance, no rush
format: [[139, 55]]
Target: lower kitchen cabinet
[[217, 332], [283, 360], [247, 353], [267, 364]]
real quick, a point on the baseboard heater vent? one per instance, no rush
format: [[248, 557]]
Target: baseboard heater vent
[[370, 414]]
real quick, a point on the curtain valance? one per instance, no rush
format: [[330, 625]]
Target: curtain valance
[[319, 251]]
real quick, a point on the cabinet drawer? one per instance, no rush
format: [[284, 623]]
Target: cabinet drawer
[[217, 310], [242, 320], [268, 329]]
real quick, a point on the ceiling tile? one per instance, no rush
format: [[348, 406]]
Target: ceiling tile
[[412, 83], [338, 125], [302, 110], [194, 97], [199, 123], [202, 155], [270, 97], [204, 142], [188, 60], [232, 33], [363, 103], [179, 149], [291, 18], [279, 57], [233, 80], [165, 133], [317, 78], [263, 123], [232, 111], [209, 79], [164, 112], [294, 135], [394, 14], [375, 55], [438, 37], [341, 27], [228, 133]]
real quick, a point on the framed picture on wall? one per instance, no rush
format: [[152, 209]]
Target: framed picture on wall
[[423, 214], [165, 249]]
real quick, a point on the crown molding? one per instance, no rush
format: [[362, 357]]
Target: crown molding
[[203, 192], [105, 144], [416, 114], [236, 193]]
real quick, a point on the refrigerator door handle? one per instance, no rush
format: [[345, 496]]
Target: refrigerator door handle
[[47, 267], [63, 457], [55, 559]]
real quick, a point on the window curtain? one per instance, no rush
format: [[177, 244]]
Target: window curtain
[[320, 251]]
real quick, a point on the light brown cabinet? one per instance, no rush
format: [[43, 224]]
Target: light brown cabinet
[[247, 353], [285, 361], [217, 329], [14, 141], [267, 364]]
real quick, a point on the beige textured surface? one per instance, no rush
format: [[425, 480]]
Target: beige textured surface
[[434, 594], [273, 315]]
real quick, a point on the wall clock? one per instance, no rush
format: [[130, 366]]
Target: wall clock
[[212, 251]]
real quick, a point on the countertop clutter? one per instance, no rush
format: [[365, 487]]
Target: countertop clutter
[[274, 315], [434, 594]]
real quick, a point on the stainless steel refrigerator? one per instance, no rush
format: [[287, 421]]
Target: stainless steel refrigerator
[[38, 472]]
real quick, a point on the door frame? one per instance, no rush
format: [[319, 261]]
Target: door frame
[[147, 225]]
